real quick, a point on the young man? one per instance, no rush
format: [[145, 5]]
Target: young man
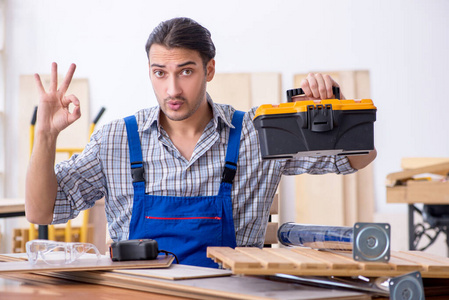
[[187, 173]]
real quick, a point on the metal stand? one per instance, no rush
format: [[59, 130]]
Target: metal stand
[[408, 286], [43, 232], [424, 229]]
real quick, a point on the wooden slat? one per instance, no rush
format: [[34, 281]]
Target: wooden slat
[[333, 260], [9, 258], [105, 263], [366, 265], [399, 263], [266, 258], [271, 236], [300, 260], [431, 256], [231, 258], [429, 263]]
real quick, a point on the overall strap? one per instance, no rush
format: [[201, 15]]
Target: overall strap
[[135, 151], [232, 152]]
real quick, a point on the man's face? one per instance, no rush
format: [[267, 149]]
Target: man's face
[[179, 80]]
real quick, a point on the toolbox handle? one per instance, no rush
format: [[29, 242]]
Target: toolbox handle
[[296, 92]]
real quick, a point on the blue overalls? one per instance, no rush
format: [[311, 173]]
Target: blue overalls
[[185, 226]]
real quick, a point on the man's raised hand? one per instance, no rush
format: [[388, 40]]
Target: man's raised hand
[[53, 113]]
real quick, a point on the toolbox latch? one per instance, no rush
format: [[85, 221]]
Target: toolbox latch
[[320, 117]]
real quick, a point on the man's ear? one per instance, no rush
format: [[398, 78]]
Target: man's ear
[[210, 70]]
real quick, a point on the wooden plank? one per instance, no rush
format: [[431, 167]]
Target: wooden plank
[[408, 163], [104, 263], [365, 205], [177, 272], [300, 260], [442, 169], [366, 265], [97, 217], [271, 236], [428, 192], [246, 90], [33, 286], [266, 88], [362, 84], [397, 194], [232, 259], [428, 255], [431, 263], [266, 259], [313, 193], [231, 88], [334, 261], [350, 198], [12, 205], [12, 257], [228, 287], [400, 263]]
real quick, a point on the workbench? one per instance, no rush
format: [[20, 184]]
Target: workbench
[[33, 286], [255, 274], [112, 285], [12, 208]]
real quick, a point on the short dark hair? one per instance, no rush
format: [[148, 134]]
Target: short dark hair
[[183, 33]]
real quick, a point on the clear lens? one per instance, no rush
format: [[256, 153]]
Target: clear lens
[[57, 253]]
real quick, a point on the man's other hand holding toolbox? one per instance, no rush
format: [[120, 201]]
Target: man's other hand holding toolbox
[[315, 127]]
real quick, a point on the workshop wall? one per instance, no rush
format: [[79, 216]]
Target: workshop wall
[[404, 44]]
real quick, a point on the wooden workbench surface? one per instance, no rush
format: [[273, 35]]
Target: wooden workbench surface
[[185, 282], [33, 286], [12, 205]]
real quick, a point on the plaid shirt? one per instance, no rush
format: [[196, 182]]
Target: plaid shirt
[[103, 170]]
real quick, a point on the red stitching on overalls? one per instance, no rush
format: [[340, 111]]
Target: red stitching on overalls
[[183, 218]]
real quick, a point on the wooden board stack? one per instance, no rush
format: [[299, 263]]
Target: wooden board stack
[[187, 282]]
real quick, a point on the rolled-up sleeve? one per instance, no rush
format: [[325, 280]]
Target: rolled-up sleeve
[[80, 183], [318, 165]]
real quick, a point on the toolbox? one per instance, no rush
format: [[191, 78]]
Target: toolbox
[[310, 127]]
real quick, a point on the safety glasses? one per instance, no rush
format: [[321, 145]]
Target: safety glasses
[[57, 253]]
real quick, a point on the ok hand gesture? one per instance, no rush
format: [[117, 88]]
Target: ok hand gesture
[[53, 114]]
